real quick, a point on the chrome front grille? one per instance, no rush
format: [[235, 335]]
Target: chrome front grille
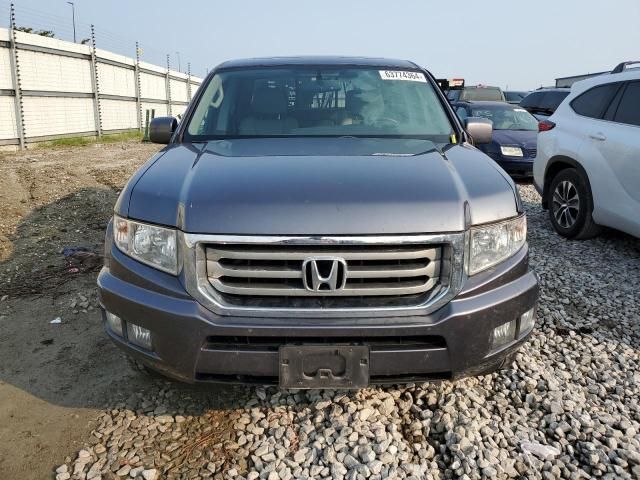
[[242, 270], [262, 276]]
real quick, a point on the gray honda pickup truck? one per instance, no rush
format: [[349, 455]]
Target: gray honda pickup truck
[[318, 222]]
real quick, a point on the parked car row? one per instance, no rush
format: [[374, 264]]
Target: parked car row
[[541, 103], [586, 156], [513, 142], [456, 91]]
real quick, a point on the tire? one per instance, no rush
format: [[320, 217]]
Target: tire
[[571, 205]]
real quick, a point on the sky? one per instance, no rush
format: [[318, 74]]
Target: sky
[[519, 44]]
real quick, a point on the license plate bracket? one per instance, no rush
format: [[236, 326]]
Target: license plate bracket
[[324, 366]]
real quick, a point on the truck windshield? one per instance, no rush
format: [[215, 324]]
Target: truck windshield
[[319, 101]]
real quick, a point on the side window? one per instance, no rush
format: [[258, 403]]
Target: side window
[[206, 118], [462, 113], [610, 112], [595, 101], [629, 109]]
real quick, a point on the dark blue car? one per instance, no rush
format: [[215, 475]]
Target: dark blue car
[[515, 133]]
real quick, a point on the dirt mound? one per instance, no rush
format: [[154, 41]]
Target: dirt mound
[[54, 199]]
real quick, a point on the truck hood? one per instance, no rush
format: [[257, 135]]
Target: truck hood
[[318, 187]]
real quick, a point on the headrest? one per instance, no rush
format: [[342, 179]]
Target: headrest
[[358, 98], [269, 100], [351, 101]]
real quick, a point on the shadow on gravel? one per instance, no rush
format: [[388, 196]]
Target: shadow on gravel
[[72, 363]]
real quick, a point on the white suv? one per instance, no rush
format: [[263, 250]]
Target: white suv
[[588, 164]]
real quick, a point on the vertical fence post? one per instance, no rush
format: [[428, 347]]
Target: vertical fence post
[[97, 113], [168, 85], [138, 87], [17, 84], [145, 137], [189, 81]]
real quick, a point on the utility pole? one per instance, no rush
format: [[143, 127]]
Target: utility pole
[[73, 15], [179, 65]]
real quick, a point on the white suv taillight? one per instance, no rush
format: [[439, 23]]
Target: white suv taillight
[[545, 125]]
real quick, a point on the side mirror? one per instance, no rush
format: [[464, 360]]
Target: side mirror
[[161, 129], [480, 129]]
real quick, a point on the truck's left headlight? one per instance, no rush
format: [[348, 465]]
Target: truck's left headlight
[[491, 244], [150, 244]]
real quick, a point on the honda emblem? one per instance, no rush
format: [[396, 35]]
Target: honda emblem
[[324, 274]]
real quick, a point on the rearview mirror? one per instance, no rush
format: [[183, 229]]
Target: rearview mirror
[[161, 129], [480, 129]]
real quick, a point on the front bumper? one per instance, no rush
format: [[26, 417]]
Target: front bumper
[[191, 343], [517, 168]]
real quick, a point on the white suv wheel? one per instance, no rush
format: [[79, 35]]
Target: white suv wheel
[[570, 205], [566, 204]]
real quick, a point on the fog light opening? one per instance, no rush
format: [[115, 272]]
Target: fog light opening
[[138, 335], [504, 334], [115, 323], [527, 321]]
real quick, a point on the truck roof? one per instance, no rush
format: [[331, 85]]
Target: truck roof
[[318, 60]]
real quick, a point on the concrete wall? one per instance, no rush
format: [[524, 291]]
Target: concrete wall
[[60, 90]]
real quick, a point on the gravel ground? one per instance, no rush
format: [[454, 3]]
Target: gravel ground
[[567, 408]]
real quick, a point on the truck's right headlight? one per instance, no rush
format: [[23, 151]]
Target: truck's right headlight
[[491, 244], [151, 244]]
